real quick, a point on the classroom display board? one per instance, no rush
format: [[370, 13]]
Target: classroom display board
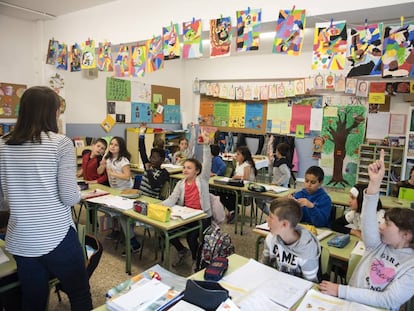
[[137, 102], [10, 95]]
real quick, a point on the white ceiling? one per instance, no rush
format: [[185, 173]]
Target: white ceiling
[[33, 10]]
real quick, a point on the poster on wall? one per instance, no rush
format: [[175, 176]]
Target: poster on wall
[[290, 32], [172, 114], [118, 89], [329, 46], [10, 95], [141, 113], [254, 116], [221, 114], [343, 130]]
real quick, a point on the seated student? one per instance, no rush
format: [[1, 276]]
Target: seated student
[[246, 170], [316, 203], [186, 148], [159, 144], [119, 175], [385, 275], [154, 176], [91, 171], [218, 167], [281, 170], [288, 247], [193, 192], [409, 183], [353, 216]]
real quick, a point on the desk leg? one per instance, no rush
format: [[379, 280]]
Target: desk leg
[[129, 221], [259, 241], [237, 211], [167, 250], [94, 208]]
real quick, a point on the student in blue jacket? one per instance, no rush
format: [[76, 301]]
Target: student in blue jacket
[[218, 167], [315, 202]]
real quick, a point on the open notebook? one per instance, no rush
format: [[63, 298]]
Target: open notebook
[[184, 212]]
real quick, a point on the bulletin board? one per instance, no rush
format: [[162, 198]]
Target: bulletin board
[[233, 115]]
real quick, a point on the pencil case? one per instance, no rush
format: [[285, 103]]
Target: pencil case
[[205, 294], [159, 212], [340, 240]]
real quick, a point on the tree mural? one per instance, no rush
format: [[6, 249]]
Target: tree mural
[[343, 134]]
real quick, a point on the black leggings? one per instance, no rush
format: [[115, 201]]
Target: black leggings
[[192, 237]]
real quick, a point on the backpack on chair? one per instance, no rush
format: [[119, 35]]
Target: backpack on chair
[[215, 244]]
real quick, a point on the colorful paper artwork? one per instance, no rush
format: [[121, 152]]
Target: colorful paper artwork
[[340, 83], [155, 55], [248, 30], [52, 52], [365, 49], [237, 115], [398, 53], [10, 95], [75, 57], [220, 36], [301, 115], [362, 88], [192, 44], [121, 62], [206, 112], [254, 116], [118, 89], [290, 32], [376, 93], [138, 61], [350, 86], [62, 57], [329, 46], [88, 55], [319, 82], [108, 123], [171, 44], [105, 57], [330, 82], [299, 87]]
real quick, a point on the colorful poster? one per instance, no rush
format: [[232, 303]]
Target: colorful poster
[[248, 30], [220, 37], [141, 113], [171, 44], [105, 57], [52, 52], [364, 46], [343, 132], [118, 89], [62, 57], [88, 55], [172, 114], [10, 95], [192, 45], [376, 93], [237, 115], [155, 56], [301, 115], [398, 53], [206, 112], [329, 46], [221, 114], [75, 57], [138, 61], [290, 32], [122, 62], [254, 116]]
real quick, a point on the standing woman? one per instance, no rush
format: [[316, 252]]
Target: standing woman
[[38, 182]]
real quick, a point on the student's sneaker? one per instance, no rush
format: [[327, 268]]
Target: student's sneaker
[[114, 235], [230, 218], [181, 257], [135, 247]]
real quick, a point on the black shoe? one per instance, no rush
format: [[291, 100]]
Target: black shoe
[[114, 235], [231, 217], [135, 247]]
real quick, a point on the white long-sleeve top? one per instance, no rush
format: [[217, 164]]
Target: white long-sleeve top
[[38, 182]]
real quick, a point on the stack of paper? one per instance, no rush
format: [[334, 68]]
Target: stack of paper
[[183, 212]]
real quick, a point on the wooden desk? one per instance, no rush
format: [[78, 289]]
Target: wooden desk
[[175, 228], [172, 169], [7, 268]]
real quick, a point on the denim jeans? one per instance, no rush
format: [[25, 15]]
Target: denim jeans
[[67, 264]]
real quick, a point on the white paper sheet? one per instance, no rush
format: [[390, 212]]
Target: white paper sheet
[[113, 201], [3, 257]]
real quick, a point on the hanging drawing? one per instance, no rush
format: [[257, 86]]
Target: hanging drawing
[[52, 52], [10, 95], [220, 36], [398, 51], [171, 44], [88, 55], [62, 56], [290, 32], [105, 57], [138, 61], [121, 63], [365, 49], [155, 55], [248, 30], [343, 129], [75, 57], [192, 45], [329, 46]]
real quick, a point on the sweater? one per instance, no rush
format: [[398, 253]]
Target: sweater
[[281, 172], [320, 214], [218, 166]]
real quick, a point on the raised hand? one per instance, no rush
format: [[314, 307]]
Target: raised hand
[[376, 172]]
